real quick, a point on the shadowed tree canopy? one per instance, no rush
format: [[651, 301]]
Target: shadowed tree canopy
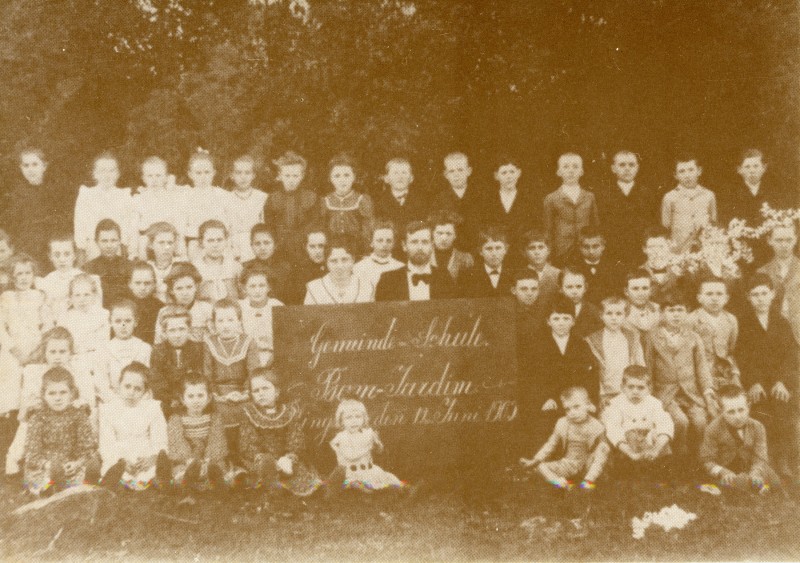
[[418, 78]]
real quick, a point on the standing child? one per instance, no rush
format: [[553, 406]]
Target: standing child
[[681, 374], [196, 434], [24, 315], [658, 250], [643, 314], [579, 437], [257, 311], [689, 207], [218, 270], [175, 358], [638, 429], [208, 202], [734, 449], [86, 319], [491, 277], [346, 211], [447, 229], [310, 267], [182, 284], [142, 286], [161, 246], [60, 450], [537, 258], [293, 209], [719, 330], [508, 207], [133, 434], [229, 356], [56, 284], [353, 447], [56, 350], [246, 206], [614, 347], [103, 201], [110, 266], [457, 197], [587, 316], [262, 242], [160, 201], [603, 276], [272, 441], [568, 209], [380, 260], [123, 349], [399, 204]]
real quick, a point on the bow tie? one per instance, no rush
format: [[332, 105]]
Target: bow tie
[[417, 278]]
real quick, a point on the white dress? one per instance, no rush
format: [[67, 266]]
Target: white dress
[[371, 269], [167, 205], [245, 213], [213, 286], [322, 291], [354, 453], [257, 324], [112, 357], [56, 289], [90, 330], [130, 433], [95, 204], [204, 204]]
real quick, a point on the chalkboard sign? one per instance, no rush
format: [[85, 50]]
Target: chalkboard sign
[[438, 378]]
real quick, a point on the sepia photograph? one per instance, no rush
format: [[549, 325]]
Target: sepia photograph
[[428, 280]]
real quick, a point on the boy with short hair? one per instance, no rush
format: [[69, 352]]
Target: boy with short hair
[[308, 267], [530, 307], [638, 428], [262, 243], [175, 358], [380, 259], [658, 250], [602, 275], [689, 207], [489, 278], [399, 203], [110, 266], [614, 347], [643, 314], [293, 209], [509, 207], [734, 449], [767, 357], [718, 329], [572, 285], [458, 197], [142, 287], [537, 256], [681, 375], [447, 231], [62, 254], [568, 209]]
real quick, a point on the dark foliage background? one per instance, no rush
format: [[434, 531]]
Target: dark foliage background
[[420, 78]]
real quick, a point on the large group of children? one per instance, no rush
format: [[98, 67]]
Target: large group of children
[[144, 357]]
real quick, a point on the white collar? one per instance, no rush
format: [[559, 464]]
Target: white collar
[[625, 187], [412, 269]]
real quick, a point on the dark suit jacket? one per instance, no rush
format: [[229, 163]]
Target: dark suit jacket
[[523, 216], [606, 281], [468, 207], [766, 356], [167, 376], [386, 206], [475, 283], [393, 286], [587, 321], [624, 220]]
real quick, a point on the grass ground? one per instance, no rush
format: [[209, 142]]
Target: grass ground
[[513, 520]]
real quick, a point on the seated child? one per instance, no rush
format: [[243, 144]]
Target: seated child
[[643, 314], [56, 284], [380, 260], [537, 256], [271, 439], [689, 207], [197, 446], [681, 375], [56, 350], [162, 239], [490, 277], [133, 434], [123, 349], [309, 267], [719, 330], [86, 319], [257, 311], [182, 283], [174, 359], [579, 437], [60, 450], [24, 315], [262, 241], [218, 270], [353, 447], [142, 285], [246, 207], [229, 356], [734, 449], [638, 428], [614, 347], [110, 266]]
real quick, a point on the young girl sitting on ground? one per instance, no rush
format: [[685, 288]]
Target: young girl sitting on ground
[[61, 450], [579, 436], [354, 446], [271, 439], [133, 434], [197, 446]]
